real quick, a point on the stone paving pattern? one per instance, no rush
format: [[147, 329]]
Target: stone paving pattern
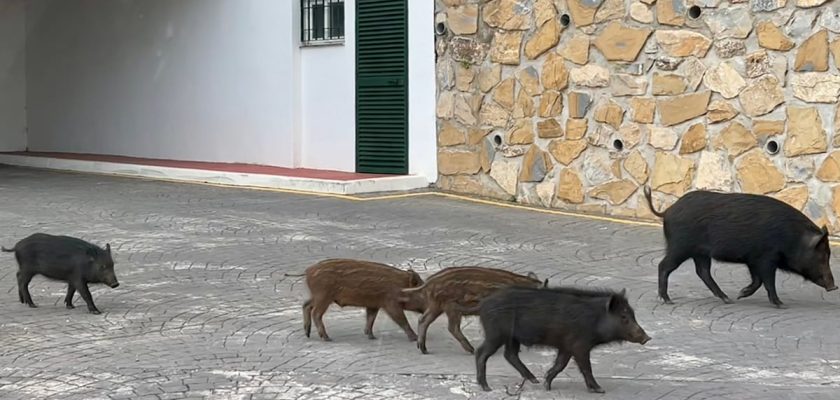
[[204, 309]]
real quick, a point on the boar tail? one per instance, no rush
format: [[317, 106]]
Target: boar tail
[[293, 275], [649, 199], [5, 250]]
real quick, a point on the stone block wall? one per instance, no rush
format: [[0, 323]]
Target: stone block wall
[[577, 104]]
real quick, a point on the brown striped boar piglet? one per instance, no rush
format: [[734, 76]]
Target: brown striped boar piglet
[[454, 289], [358, 283]]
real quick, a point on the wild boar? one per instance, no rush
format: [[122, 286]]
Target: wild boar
[[572, 320], [357, 283], [453, 289], [66, 259], [764, 233]]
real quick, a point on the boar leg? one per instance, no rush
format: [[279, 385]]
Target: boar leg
[[307, 317], [487, 349], [85, 292], [560, 364], [768, 277], [455, 329], [512, 357], [23, 279], [703, 267], [318, 310], [396, 313], [666, 267], [68, 300], [585, 367], [426, 319], [750, 289], [371, 316]]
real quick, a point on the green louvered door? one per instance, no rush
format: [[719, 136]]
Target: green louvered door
[[382, 86]]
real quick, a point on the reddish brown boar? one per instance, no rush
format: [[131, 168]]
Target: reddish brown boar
[[358, 283], [454, 291]]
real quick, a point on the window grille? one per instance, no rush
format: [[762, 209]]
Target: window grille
[[322, 21]]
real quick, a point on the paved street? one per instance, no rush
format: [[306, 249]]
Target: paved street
[[204, 309]]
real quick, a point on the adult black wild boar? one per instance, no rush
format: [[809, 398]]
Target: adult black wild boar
[[65, 259], [572, 320], [764, 233]]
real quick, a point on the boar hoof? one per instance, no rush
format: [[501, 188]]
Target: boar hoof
[[547, 386], [486, 388], [780, 305], [371, 337], [727, 300], [32, 305], [95, 312], [70, 306], [667, 301], [596, 389], [326, 338], [533, 380]]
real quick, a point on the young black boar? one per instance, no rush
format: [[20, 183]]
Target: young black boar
[[65, 259], [764, 233], [574, 321], [360, 284], [453, 289]]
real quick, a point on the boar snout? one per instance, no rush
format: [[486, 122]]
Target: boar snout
[[640, 336], [645, 339], [114, 284], [827, 282]]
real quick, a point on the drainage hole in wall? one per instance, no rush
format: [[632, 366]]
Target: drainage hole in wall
[[772, 146], [440, 28], [497, 140], [565, 20], [618, 144], [694, 12]]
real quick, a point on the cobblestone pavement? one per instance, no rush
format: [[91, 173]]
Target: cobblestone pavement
[[204, 309]]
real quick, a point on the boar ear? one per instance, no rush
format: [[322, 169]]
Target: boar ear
[[108, 247], [612, 303], [545, 283], [814, 239], [623, 292]]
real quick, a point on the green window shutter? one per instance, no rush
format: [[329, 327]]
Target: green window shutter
[[382, 86]]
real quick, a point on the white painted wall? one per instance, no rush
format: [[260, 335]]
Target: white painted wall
[[329, 97], [422, 146], [208, 80], [12, 75], [329, 100]]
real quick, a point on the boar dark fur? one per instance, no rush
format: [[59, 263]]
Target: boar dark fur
[[762, 232], [572, 320], [66, 259]]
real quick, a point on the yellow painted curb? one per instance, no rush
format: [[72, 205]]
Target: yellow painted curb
[[408, 195]]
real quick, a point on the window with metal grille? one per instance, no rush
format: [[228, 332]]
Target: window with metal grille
[[321, 21]]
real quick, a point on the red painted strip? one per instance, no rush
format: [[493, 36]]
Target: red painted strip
[[209, 166]]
